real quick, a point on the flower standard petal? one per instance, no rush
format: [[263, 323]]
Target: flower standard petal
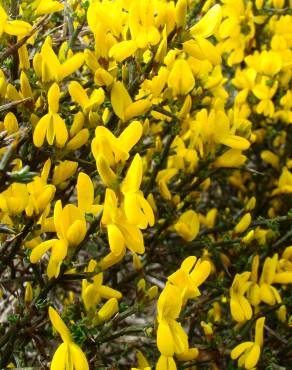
[[59, 325], [41, 130]]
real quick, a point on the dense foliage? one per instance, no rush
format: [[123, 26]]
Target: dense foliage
[[145, 184]]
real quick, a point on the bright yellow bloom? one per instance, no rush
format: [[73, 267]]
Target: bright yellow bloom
[[40, 193], [92, 293], [208, 24], [231, 158], [15, 27], [137, 209], [63, 171], [110, 308], [171, 337], [79, 95], [243, 224], [249, 352], [70, 226], [120, 231], [115, 149], [190, 276], [166, 363], [239, 306], [181, 78], [51, 125], [141, 23], [14, 199], [48, 7], [85, 195], [123, 105], [68, 354], [188, 225], [48, 67], [284, 182]]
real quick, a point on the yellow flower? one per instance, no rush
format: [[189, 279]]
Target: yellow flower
[[115, 149], [181, 78], [108, 310], [142, 23], [188, 225], [120, 232], [92, 293], [40, 193], [171, 337], [231, 158], [268, 293], [122, 50], [48, 67], [284, 182], [137, 209], [166, 363], [48, 7], [123, 105], [190, 276], [51, 125], [14, 199], [239, 306], [85, 195], [70, 226], [79, 95], [249, 352], [15, 27], [63, 171], [208, 24], [243, 224], [68, 354]]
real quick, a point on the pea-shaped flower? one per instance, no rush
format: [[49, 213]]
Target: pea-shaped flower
[[51, 125], [68, 355]]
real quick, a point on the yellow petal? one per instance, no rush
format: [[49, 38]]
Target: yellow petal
[[181, 78], [59, 325], [107, 292], [41, 130], [120, 99], [116, 239], [239, 349], [137, 108], [252, 356], [60, 130], [133, 178], [53, 98], [17, 28], [40, 250], [208, 24], [59, 250], [165, 342], [236, 142], [78, 357], [48, 7], [180, 338], [85, 191], [71, 65], [60, 357], [78, 140], [76, 232], [131, 135], [209, 51], [122, 50], [108, 309], [259, 331], [78, 94]]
